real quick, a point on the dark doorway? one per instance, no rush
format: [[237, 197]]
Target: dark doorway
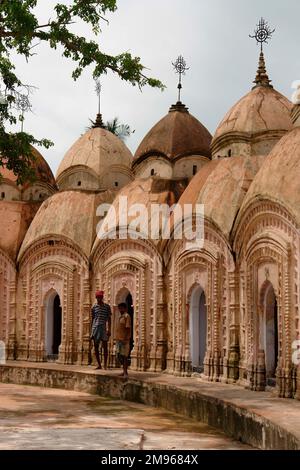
[[56, 325], [131, 313], [271, 334], [198, 329]]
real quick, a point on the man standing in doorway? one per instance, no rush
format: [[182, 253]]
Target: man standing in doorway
[[101, 327], [123, 335]]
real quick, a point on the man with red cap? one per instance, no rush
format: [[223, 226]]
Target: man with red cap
[[101, 327]]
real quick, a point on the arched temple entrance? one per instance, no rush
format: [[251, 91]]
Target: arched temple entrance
[[269, 330], [131, 313], [198, 328], [53, 326], [124, 295]]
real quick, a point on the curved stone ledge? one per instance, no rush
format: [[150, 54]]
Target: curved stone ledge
[[255, 418]]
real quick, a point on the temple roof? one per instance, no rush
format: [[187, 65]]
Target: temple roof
[[176, 135]]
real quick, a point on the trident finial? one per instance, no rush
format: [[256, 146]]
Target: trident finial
[[98, 89], [262, 33], [23, 104], [180, 67]]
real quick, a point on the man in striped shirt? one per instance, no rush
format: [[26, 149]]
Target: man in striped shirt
[[101, 327]]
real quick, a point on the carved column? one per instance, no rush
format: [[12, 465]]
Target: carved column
[[84, 356], [286, 386], [12, 337], [65, 349], [136, 326], [170, 325], [158, 355], [22, 347], [215, 372], [234, 328]]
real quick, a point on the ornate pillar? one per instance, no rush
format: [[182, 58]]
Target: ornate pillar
[[178, 346], [158, 353], [170, 326], [12, 336], [251, 340], [84, 352], [22, 347], [215, 372], [65, 349], [234, 329], [137, 351], [286, 372]]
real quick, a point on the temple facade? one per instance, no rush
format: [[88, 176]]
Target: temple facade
[[228, 311]]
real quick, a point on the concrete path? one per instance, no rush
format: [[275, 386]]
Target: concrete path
[[258, 418], [42, 418]]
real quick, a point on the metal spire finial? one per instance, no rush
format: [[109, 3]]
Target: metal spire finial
[[180, 67], [24, 106], [98, 88], [262, 34]]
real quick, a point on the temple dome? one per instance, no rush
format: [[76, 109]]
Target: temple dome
[[143, 192], [69, 215], [20, 203], [279, 178], [42, 187], [178, 136], [18, 216], [221, 187], [255, 123], [98, 160]]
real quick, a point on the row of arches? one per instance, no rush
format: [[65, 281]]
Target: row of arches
[[268, 326], [199, 310], [268, 329], [53, 321]]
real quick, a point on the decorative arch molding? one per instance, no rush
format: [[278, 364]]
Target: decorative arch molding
[[61, 267], [215, 245], [269, 259], [266, 247], [52, 246], [75, 169], [188, 258], [8, 303], [135, 260], [107, 248], [137, 265], [188, 270], [257, 217]]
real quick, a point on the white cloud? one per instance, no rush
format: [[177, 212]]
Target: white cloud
[[211, 34]]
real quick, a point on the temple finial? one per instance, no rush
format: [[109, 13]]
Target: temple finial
[[262, 78], [262, 34], [180, 67], [98, 122]]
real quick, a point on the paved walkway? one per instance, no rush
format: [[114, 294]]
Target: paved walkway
[[43, 418], [284, 413]]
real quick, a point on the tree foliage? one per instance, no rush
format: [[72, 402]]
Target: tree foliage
[[20, 32], [120, 130]]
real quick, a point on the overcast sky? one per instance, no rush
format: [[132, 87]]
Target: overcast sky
[[212, 35]]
